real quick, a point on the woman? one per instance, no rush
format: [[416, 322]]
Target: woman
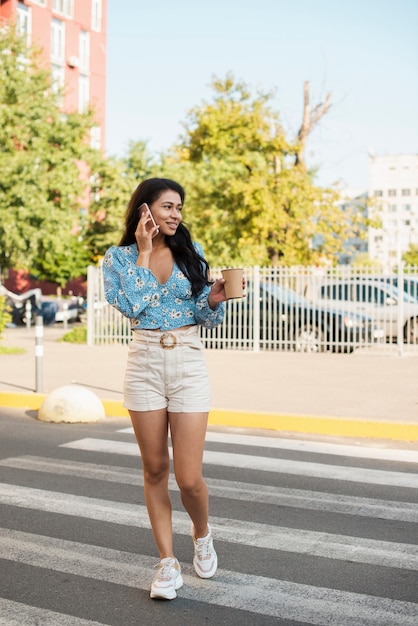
[[159, 279]]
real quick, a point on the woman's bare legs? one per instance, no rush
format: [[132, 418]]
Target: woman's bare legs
[[151, 431], [188, 432]]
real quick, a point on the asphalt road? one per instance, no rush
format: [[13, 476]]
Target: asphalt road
[[307, 532]]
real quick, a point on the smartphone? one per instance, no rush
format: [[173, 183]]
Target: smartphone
[[144, 208]]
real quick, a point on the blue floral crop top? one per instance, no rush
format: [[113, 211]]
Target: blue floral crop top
[[137, 294]]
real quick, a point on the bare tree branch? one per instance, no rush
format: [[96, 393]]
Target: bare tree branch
[[310, 119]]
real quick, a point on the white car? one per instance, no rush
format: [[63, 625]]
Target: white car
[[381, 301]]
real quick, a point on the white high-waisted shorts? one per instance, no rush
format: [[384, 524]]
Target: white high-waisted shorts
[[167, 370]]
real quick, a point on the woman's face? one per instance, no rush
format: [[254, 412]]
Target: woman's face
[[166, 211]]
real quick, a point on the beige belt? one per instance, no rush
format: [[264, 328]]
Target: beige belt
[[168, 340]]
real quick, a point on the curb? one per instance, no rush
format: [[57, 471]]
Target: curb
[[307, 424]]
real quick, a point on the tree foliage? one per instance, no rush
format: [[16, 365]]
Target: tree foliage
[[112, 184], [410, 257], [250, 200], [41, 152]]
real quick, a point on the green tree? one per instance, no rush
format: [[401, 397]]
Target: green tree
[[42, 152], [363, 260], [250, 198], [410, 257], [112, 185]]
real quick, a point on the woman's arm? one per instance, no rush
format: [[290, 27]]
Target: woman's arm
[[210, 307], [128, 287]]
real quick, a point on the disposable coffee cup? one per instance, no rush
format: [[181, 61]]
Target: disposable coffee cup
[[233, 282]]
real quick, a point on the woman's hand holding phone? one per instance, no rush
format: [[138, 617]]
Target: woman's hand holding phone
[[150, 224], [147, 228]]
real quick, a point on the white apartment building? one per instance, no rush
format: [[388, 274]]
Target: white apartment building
[[393, 191], [355, 201]]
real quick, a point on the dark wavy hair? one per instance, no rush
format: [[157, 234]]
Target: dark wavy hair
[[192, 264]]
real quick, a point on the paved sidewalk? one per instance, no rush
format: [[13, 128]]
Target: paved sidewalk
[[361, 395]]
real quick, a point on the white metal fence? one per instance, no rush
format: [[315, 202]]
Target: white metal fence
[[299, 308]]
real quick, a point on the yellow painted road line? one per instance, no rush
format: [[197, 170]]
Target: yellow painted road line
[[315, 424], [308, 424], [22, 400]]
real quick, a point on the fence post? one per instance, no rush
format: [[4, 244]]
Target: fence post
[[39, 353], [400, 320], [256, 309], [91, 288], [65, 315]]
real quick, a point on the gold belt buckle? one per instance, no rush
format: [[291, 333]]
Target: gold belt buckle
[[172, 338]]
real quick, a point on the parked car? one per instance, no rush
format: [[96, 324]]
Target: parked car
[[410, 284], [381, 301], [26, 306], [313, 328], [69, 309], [289, 321]]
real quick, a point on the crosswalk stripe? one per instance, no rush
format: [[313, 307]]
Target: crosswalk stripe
[[18, 614], [328, 545], [318, 447], [265, 494], [268, 464], [256, 594]]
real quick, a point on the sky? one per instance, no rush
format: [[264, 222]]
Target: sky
[[163, 54]]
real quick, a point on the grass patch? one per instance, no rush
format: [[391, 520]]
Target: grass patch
[[76, 335], [11, 350]]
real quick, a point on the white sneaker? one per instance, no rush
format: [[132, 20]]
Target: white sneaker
[[205, 560], [167, 580]]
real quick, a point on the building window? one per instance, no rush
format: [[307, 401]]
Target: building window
[[96, 137], [64, 7], [58, 81], [407, 207], [378, 193], [406, 192], [83, 93], [57, 41], [84, 51], [393, 208], [41, 3], [391, 192], [23, 21], [96, 15]]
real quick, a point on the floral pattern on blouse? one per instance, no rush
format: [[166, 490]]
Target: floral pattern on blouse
[[137, 294]]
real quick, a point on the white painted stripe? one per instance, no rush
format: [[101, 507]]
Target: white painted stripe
[[255, 594], [318, 447], [249, 492], [332, 546], [266, 464], [18, 614], [107, 446]]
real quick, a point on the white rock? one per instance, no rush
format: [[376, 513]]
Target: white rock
[[71, 403]]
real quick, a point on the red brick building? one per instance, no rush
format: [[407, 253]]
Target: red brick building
[[72, 34]]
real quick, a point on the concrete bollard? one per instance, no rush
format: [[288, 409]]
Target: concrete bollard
[[28, 314], [72, 404]]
